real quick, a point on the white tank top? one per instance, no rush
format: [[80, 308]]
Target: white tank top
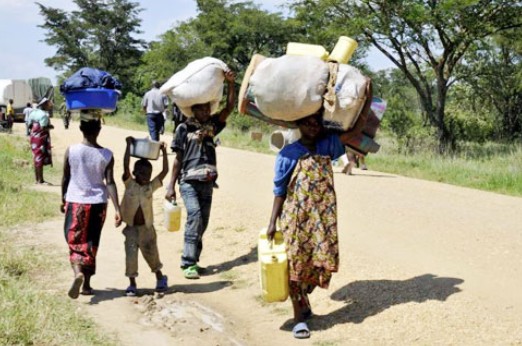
[[87, 166]]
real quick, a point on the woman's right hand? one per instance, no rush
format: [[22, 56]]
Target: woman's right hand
[[270, 231]]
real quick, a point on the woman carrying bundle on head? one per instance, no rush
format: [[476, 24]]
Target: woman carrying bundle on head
[[305, 206]]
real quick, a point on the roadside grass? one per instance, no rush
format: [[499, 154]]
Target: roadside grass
[[18, 203], [489, 167], [31, 313]]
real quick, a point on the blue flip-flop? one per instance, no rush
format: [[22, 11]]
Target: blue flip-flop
[[131, 291], [301, 331]]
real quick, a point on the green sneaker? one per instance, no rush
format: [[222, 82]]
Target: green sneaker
[[191, 272]]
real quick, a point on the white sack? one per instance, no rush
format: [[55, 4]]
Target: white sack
[[350, 95], [201, 81], [289, 87]]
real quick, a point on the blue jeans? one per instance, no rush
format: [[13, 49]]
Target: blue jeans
[[197, 196], [155, 121]]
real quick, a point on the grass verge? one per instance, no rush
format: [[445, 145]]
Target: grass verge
[[31, 314]]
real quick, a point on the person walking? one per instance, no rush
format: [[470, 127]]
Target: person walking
[[305, 206], [87, 181], [27, 111], [10, 113], [137, 213], [195, 169], [39, 125], [154, 103]]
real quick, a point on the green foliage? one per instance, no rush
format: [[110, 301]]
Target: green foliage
[[99, 34], [245, 123], [130, 110], [226, 30]]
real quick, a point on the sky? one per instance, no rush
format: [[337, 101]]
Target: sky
[[23, 52]]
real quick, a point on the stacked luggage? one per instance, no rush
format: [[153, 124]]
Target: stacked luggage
[[285, 89]]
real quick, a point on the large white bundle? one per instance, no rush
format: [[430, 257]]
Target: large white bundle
[[350, 96], [289, 87], [201, 81]]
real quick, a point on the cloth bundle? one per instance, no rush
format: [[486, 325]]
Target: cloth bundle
[[201, 81], [88, 77]]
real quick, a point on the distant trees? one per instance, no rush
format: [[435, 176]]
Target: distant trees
[[99, 34], [230, 31]]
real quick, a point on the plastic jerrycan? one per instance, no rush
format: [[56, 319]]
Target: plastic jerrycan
[[343, 50], [172, 216], [296, 48], [273, 267]]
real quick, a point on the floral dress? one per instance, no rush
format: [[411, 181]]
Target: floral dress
[[309, 223]]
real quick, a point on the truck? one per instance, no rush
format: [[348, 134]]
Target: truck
[[23, 92], [19, 91]]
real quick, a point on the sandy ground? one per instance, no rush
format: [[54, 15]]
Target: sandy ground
[[422, 263]]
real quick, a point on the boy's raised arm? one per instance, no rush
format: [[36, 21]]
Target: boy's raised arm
[[230, 77], [126, 159], [165, 169]]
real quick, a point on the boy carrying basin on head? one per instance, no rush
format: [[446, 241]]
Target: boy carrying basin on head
[[136, 211]]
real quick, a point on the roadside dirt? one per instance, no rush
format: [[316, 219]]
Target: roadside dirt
[[422, 263]]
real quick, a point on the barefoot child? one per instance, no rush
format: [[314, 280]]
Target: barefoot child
[[136, 209]]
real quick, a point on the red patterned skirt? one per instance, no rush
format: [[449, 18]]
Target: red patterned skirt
[[41, 146], [83, 226]]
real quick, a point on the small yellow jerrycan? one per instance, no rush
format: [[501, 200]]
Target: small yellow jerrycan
[[296, 48], [273, 267], [343, 50], [172, 216]]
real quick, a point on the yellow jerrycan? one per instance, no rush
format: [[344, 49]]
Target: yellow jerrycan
[[172, 216], [343, 50], [273, 267], [296, 48]]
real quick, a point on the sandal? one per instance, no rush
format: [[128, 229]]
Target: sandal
[[191, 272], [200, 270], [74, 291], [301, 331], [131, 291], [87, 292], [162, 284]]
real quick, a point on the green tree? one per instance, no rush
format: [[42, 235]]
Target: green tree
[[425, 39], [99, 34], [226, 30], [493, 72]]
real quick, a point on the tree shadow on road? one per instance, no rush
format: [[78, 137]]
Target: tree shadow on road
[[371, 297], [245, 259]]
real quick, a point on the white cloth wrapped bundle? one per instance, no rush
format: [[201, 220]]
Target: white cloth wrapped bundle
[[201, 81], [290, 87]]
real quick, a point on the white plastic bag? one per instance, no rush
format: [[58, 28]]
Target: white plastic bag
[[290, 87], [201, 81], [350, 96]]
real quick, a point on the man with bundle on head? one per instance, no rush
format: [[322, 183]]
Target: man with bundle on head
[[195, 169]]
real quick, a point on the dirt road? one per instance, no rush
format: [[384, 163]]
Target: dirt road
[[422, 263]]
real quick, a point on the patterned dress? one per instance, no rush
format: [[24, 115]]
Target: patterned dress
[[309, 223]]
